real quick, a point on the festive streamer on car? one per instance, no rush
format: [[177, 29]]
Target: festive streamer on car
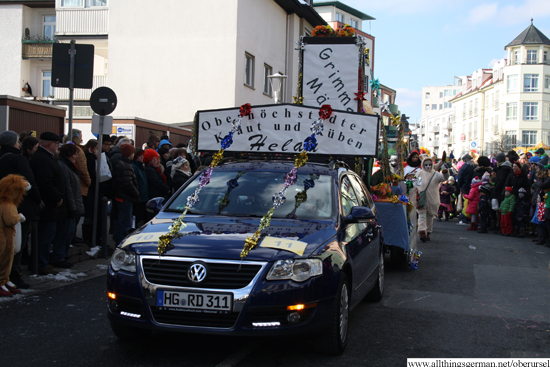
[[165, 241], [310, 143], [301, 197], [231, 184]]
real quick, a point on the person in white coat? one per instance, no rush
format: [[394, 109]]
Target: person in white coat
[[428, 180]]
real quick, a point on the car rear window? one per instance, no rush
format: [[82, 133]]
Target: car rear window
[[250, 194]]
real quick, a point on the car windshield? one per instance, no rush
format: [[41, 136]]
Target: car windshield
[[250, 194]]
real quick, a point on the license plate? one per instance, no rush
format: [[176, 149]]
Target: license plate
[[195, 301]]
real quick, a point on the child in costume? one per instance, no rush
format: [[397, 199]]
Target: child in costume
[[12, 189], [506, 210], [520, 218], [445, 198], [484, 207], [473, 200]]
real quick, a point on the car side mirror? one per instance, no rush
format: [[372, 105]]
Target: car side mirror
[[360, 214], [155, 205]]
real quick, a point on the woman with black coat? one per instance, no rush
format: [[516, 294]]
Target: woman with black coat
[[125, 191], [156, 181], [518, 178]]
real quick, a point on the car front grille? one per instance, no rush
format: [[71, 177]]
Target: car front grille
[[220, 275], [194, 319]]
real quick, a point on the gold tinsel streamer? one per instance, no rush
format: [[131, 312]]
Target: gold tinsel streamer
[[395, 120], [252, 241]]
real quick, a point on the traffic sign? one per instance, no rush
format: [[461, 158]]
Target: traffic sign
[[103, 101]]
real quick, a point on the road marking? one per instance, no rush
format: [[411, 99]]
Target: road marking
[[238, 356]]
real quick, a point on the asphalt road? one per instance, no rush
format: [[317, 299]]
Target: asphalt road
[[473, 295]]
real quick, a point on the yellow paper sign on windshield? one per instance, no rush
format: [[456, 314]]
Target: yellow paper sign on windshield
[[143, 238], [297, 247]]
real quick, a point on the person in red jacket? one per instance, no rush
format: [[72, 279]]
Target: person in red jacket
[[473, 201]]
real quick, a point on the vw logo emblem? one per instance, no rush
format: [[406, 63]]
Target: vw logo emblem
[[196, 273]]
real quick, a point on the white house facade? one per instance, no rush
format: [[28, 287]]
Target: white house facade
[[501, 108]]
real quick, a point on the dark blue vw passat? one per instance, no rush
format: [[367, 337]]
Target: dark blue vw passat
[[320, 256]]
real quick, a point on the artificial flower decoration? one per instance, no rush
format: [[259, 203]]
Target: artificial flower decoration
[[346, 31], [375, 86], [395, 120], [245, 110], [360, 96], [404, 199], [325, 112], [323, 31], [367, 56], [298, 100], [384, 105]]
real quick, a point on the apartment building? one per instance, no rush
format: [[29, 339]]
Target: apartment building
[[500, 108], [163, 61]]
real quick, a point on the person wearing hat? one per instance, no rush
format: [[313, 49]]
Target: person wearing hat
[[484, 207], [156, 181], [413, 164], [51, 184], [504, 169], [125, 192], [140, 210], [180, 172], [540, 152], [12, 161], [541, 184], [427, 181], [506, 209], [466, 173], [518, 178]]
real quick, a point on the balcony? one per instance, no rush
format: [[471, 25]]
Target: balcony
[[82, 22], [81, 94], [436, 142], [436, 128], [37, 49], [449, 125]]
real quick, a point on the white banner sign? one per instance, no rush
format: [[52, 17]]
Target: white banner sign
[[331, 75], [282, 128]]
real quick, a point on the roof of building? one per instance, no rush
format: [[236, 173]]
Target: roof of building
[[344, 7], [530, 36], [302, 10], [31, 3]]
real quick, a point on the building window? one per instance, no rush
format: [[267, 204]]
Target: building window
[[511, 139], [82, 3], [546, 111], [528, 137], [440, 94], [447, 104], [511, 111], [49, 27], [531, 56], [475, 109], [339, 17], [470, 110], [531, 83], [496, 100], [440, 106], [464, 111], [427, 95], [353, 23], [427, 107], [530, 110], [47, 89], [249, 70], [495, 126], [434, 106], [268, 70], [547, 83], [512, 83], [545, 57], [517, 57], [486, 101]]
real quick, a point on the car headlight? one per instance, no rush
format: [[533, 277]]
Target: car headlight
[[123, 260], [298, 270]]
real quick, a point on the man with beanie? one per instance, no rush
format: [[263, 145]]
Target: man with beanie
[[51, 184], [125, 191], [12, 161]]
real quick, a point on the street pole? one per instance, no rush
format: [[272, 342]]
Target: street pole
[[98, 173], [71, 88]]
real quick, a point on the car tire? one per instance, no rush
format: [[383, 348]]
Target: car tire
[[124, 332], [400, 258], [334, 340], [377, 292]]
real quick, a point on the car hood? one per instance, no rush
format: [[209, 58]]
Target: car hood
[[223, 237]]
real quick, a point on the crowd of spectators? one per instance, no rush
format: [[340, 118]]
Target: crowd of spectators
[[506, 193], [60, 172]]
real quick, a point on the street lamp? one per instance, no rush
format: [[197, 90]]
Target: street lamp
[[276, 81]]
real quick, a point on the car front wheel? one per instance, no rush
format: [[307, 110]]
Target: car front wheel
[[335, 339]]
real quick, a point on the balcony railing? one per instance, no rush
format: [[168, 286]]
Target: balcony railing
[[81, 94], [82, 22], [449, 125], [436, 129], [37, 49], [436, 142]]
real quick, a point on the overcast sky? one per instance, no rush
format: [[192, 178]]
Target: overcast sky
[[426, 42]]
